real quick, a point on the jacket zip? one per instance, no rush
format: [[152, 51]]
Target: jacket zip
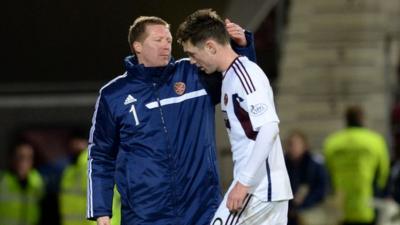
[[174, 195]]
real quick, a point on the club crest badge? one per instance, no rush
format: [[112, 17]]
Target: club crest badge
[[225, 99], [180, 88]]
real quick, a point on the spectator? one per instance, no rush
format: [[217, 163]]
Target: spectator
[[307, 174], [355, 157], [73, 185], [21, 188]]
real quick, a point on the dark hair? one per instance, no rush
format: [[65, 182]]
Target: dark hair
[[202, 25], [138, 29], [354, 116], [15, 142]]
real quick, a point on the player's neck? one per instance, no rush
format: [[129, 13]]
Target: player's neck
[[227, 57]]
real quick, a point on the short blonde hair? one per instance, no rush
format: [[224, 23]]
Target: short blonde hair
[[138, 29]]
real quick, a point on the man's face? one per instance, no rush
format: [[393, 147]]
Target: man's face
[[155, 49], [23, 160], [201, 56], [296, 147]]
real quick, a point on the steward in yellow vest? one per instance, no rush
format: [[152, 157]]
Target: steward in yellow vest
[[73, 195], [21, 189], [355, 157]]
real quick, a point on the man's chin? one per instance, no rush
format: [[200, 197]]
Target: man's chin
[[165, 60], [208, 71], [163, 63]]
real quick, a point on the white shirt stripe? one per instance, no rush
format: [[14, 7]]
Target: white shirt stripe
[[173, 100]]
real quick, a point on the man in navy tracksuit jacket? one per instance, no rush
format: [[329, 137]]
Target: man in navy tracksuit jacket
[[153, 135]]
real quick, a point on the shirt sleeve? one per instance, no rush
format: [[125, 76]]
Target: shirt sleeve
[[103, 147], [262, 147], [258, 95]]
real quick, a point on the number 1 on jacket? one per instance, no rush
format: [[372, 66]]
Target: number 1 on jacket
[[133, 111]]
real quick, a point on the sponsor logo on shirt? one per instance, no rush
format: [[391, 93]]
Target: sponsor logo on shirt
[[180, 88], [258, 109]]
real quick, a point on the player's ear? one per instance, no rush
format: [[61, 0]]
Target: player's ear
[[137, 47], [211, 47]]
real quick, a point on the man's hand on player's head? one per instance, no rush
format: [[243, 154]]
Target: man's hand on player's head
[[236, 33]]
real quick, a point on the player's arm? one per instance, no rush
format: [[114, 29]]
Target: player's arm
[[247, 177], [264, 143], [103, 142], [258, 100], [260, 107]]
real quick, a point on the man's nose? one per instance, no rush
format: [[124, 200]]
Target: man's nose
[[167, 45]]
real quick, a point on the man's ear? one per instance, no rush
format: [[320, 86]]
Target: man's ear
[[211, 47], [137, 47]]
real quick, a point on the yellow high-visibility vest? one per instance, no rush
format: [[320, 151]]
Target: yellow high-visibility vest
[[73, 195], [354, 156], [20, 206]]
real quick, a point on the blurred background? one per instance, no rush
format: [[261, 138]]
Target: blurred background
[[320, 57]]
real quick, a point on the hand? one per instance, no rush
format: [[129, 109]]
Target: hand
[[236, 33], [300, 195], [236, 197], [103, 220]]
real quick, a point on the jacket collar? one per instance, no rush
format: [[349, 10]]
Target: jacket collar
[[148, 74]]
